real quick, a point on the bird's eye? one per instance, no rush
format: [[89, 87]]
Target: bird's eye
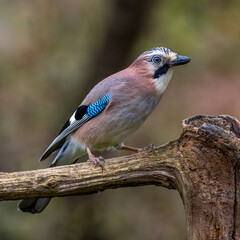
[[156, 59]]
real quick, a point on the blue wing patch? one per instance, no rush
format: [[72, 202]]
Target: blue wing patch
[[97, 107]]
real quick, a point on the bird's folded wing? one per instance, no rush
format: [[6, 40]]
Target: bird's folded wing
[[80, 116]]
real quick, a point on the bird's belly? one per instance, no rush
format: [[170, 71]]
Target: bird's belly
[[113, 126], [106, 132]]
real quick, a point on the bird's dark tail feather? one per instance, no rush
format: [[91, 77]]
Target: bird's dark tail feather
[[34, 205]]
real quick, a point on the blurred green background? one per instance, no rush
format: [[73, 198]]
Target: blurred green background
[[53, 52]]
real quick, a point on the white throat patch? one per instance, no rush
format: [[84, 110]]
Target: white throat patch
[[162, 81]]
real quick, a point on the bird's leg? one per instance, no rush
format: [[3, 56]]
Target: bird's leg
[[96, 160], [128, 148], [133, 149]]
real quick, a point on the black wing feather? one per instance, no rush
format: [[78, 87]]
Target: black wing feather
[[66, 130]]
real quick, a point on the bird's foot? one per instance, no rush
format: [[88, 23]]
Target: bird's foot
[[150, 147], [97, 161]]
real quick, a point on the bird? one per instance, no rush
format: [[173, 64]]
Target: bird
[[115, 108]]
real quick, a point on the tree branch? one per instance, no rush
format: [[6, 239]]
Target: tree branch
[[150, 167], [203, 165]]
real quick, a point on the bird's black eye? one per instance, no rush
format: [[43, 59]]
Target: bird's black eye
[[156, 59]]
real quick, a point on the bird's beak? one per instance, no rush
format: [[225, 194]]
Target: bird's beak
[[179, 61]]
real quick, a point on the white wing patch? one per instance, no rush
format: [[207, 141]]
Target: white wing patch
[[72, 118]]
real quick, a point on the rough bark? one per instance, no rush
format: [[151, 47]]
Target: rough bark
[[203, 165]]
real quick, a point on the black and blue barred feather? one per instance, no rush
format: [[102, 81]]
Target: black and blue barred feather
[[97, 107]]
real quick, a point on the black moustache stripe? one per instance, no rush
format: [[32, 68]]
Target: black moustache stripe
[[160, 71]]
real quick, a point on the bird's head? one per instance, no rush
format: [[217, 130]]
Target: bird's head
[[157, 65]]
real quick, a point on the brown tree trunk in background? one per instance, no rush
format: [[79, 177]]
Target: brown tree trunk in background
[[202, 165], [124, 26]]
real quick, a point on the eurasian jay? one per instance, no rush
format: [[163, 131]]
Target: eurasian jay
[[114, 109]]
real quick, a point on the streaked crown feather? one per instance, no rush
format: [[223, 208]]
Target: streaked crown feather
[[158, 49]]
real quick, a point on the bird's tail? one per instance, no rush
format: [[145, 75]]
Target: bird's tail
[[64, 156], [34, 205]]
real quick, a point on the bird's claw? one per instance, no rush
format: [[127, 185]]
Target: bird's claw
[[151, 146], [97, 161]]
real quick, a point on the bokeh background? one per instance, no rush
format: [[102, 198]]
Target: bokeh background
[[53, 52]]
